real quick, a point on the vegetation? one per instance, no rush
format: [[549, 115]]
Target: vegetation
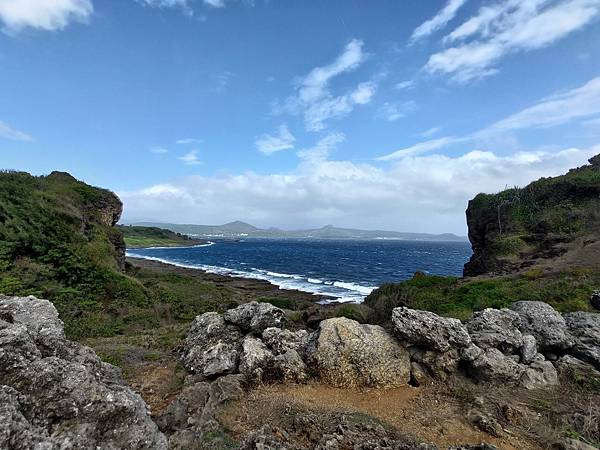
[[136, 236], [454, 297], [57, 241]]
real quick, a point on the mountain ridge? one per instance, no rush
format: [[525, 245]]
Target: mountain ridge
[[238, 229]]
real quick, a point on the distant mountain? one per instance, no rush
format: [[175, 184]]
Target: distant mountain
[[239, 229]]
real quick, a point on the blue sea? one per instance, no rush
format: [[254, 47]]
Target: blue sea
[[346, 269]]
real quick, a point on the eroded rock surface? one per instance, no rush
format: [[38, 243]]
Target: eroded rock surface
[[212, 347], [545, 324], [255, 317], [348, 354], [56, 394], [429, 330], [585, 329], [496, 328]]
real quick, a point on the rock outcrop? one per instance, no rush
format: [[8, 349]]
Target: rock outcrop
[[521, 227], [585, 330], [545, 324], [347, 354], [56, 394]]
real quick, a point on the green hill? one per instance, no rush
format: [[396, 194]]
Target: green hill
[[540, 242], [58, 241], [140, 236]]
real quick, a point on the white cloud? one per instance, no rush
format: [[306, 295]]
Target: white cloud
[[405, 84], [430, 132], [561, 108], [438, 21], [159, 150], [46, 15], [187, 141], [221, 82], [428, 193], [323, 148], [555, 110], [8, 132], [314, 99], [191, 158], [215, 3], [269, 144], [421, 147], [507, 27], [395, 111]]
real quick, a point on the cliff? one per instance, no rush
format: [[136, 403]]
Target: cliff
[[552, 222], [58, 240]]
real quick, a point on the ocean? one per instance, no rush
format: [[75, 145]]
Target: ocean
[[346, 269]]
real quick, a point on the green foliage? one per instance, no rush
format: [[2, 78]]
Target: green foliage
[[448, 296], [283, 303], [351, 311], [57, 241], [136, 236]]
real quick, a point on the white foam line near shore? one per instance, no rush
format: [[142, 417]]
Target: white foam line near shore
[[341, 291], [208, 244]]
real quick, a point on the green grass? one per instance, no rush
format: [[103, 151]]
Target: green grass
[[453, 297], [136, 236]]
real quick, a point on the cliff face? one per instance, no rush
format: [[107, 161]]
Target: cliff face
[[58, 240], [550, 221]]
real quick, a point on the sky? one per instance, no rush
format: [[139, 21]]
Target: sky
[[369, 114]]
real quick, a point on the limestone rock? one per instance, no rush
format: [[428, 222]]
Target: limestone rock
[[438, 364], [539, 374], [212, 347], [289, 367], [56, 394], [280, 341], [429, 330], [496, 328], [493, 366], [255, 317], [529, 349], [585, 329], [545, 324], [255, 357], [346, 353]]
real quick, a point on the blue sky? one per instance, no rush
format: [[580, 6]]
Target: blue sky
[[387, 114]]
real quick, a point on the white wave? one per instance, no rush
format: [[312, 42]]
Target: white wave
[[339, 291], [354, 287], [208, 244]]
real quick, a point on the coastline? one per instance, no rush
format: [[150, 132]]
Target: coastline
[[246, 285]]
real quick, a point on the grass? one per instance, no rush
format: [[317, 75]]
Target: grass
[[136, 236], [459, 298]]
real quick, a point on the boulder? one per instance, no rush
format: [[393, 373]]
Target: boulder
[[426, 329], [545, 324], [496, 328], [348, 354], [539, 374], [255, 317], [577, 368], [280, 341], [255, 358], [495, 367], [212, 347], [289, 368], [439, 365], [585, 329], [529, 349], [57, 394]]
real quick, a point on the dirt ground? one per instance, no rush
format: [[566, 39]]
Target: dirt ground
[[417, 412]]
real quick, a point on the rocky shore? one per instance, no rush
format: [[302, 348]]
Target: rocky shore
[[57, 394], [248, 285]]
